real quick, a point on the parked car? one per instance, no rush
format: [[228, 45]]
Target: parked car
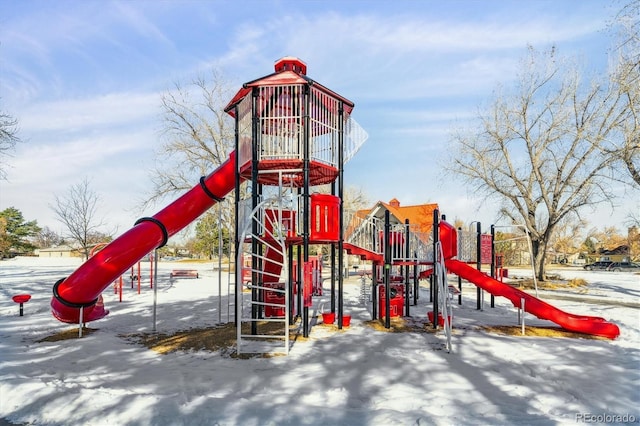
[[624, 266], [598, 266]]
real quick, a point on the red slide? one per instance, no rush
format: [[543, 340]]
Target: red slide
[[580, 323], [83, 288]]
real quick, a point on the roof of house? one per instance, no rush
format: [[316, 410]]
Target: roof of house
[[420, 215]]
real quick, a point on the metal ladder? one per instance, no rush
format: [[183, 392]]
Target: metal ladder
[[257, 333]]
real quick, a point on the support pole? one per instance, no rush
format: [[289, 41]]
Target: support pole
[[493, 261], [434, 275], [341, 120], [459, 278], [478, 263], [220, 263], [151, 276], [387, 270], [374, 291], [523, 311], [333, 278], [407, 285], [306, 140], [81, 321], [155, 293]]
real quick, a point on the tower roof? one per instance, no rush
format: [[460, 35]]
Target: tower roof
[[289, 70]]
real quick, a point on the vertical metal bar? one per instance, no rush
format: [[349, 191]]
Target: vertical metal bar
[[333, 260], [523, 311], [387, 270], [236, 217], [407, 285], [306, 194], [478, 263], [151, 276], [374, 290], [416, 284], [155, 294], [493, 261], [290, 282], [341, 209], [255, 135], [459, 278], [219, 263], [434, 275], [81, 321]]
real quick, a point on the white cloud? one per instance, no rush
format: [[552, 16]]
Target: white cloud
[[113, 109]]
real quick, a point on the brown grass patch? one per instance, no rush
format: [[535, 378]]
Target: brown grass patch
[[217, 338], [553, 282], [512, 330], [402, 325], [70, 334]]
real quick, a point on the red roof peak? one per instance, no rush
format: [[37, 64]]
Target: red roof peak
[[291, 63], [394, 203]]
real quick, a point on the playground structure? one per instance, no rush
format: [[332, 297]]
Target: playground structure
[[293, 137], [404, 247]]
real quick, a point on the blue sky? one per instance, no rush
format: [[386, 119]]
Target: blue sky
[[85, 78]]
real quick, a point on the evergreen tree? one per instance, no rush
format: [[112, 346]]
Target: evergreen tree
[[15, 232]]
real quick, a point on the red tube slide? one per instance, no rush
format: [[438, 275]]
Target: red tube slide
[[579, 323], [82, 289]]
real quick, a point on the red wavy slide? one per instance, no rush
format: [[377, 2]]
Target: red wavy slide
[[83, 288], [579, 323]]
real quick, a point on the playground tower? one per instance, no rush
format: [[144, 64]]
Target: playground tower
[[293, 137]]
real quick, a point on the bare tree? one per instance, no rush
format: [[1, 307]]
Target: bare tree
[[8, 140], [626, 79], [566, 240], [538, 151], [198, 134], [78, 210], [47, 238]]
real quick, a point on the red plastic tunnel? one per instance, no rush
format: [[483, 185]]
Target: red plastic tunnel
[[84, 286]]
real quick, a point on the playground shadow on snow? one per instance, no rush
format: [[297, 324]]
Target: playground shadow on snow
[[345, 377]]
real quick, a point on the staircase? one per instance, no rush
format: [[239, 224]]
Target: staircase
[[263, 321]]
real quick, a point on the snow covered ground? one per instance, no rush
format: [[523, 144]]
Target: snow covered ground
[[356, 376]]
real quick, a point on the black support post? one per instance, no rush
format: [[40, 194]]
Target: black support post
[[407, 284], [478, 263], [434, 276], [493, 261], [387, 270]]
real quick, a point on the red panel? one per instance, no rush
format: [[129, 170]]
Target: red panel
[[308, 284], [396, 303], [325, 217], [286, 218], [485, 248], [276, 297]]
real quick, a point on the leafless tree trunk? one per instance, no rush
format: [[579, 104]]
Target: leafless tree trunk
[[538, 151], [77, 210]]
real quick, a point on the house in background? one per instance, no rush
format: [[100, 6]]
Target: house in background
[[420, 218], [60, 251]]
